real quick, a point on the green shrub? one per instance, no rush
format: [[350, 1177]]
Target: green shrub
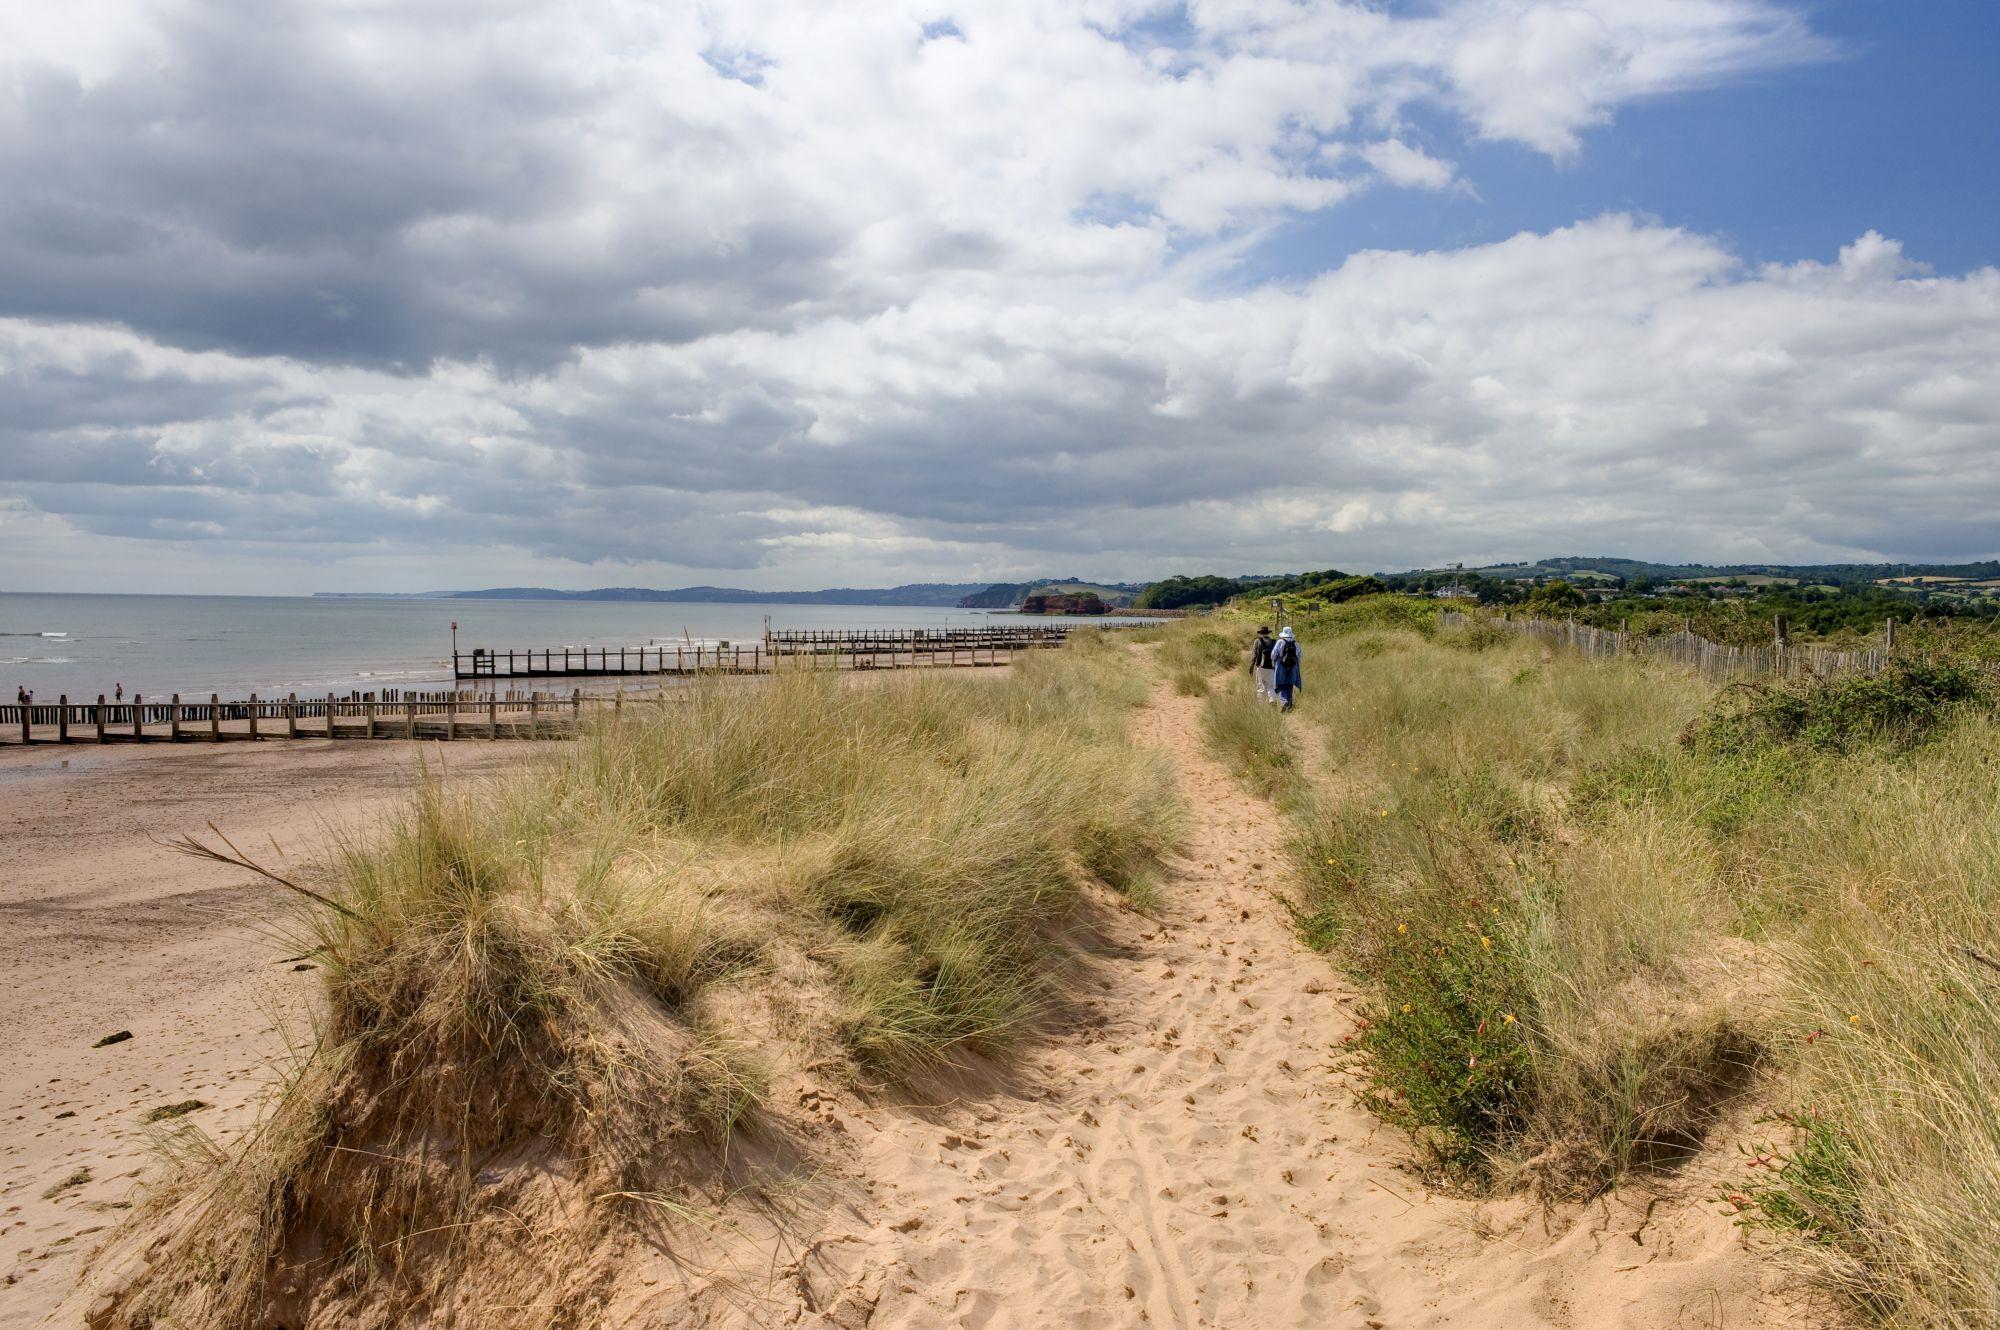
[[1903, 705]]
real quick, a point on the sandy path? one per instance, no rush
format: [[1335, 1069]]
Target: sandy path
[[1184, 1156], [102, 930]]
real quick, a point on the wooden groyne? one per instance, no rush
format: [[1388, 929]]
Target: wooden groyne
[[496, 713], [407, 716], [844, 648]]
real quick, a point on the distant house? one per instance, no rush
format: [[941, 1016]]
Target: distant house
[[1454, 592]]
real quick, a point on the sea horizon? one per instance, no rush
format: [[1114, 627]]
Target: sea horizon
[[81, 644]]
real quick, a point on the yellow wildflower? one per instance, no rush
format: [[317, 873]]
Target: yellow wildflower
[[1402, 929], [1507, 1018], [1854, 1020], [1485, 941]]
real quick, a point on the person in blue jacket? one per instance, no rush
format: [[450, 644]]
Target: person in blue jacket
[[1286, 676]]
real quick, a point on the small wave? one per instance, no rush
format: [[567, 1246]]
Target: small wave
[[64, 634]]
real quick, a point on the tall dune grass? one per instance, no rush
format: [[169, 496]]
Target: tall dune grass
[[1591, 904], [1191, 653], [586, 972]]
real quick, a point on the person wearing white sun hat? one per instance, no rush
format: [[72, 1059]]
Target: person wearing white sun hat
[[1286, 677]]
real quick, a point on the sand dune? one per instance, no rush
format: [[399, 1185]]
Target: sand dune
[[1183, 1154], [1179, 1152]]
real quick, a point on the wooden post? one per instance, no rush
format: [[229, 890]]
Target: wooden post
[[1889, 633], [534, 713], [253, 715], [100, 718], [410, 719], [331, 733], [27, 719], [62, 719], [451, 717], [292, 715], [493, 715], [138, 718], [215, 718], [174, 719], [576, 706], [368, 710]]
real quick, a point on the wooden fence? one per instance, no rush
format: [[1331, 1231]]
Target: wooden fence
[[1717, 660]]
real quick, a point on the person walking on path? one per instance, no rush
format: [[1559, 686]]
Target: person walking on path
[[1260, 664], [1286, 676]]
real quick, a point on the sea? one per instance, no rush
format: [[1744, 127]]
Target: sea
[[83, 645]]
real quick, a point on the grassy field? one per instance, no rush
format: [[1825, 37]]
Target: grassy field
[[552, 1004], [1605, 916]]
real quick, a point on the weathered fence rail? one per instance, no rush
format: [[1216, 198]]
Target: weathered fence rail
[[1717, 660]]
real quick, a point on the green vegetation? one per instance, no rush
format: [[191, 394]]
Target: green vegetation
[[1840, 603], [1008, 595], [1903, 705], [1598, 910], [1190, 657], [1252, 736], [1176, 593], [608, 955]]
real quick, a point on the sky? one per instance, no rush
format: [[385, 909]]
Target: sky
[[414, 294]]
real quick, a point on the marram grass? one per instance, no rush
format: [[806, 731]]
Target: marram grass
[[1602, 911], [590, 967]]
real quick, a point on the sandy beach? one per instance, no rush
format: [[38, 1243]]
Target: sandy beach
[[109, 931]]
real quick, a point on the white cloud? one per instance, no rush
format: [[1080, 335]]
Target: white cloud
[[809, 293], [1412, 168], [1613, 385], [1540, 72]]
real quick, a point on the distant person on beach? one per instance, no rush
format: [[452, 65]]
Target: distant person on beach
[[118, 692], [1286, 678], [21, 694], [1260, 663]]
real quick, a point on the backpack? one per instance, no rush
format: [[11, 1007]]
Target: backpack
[[1285, 652]]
